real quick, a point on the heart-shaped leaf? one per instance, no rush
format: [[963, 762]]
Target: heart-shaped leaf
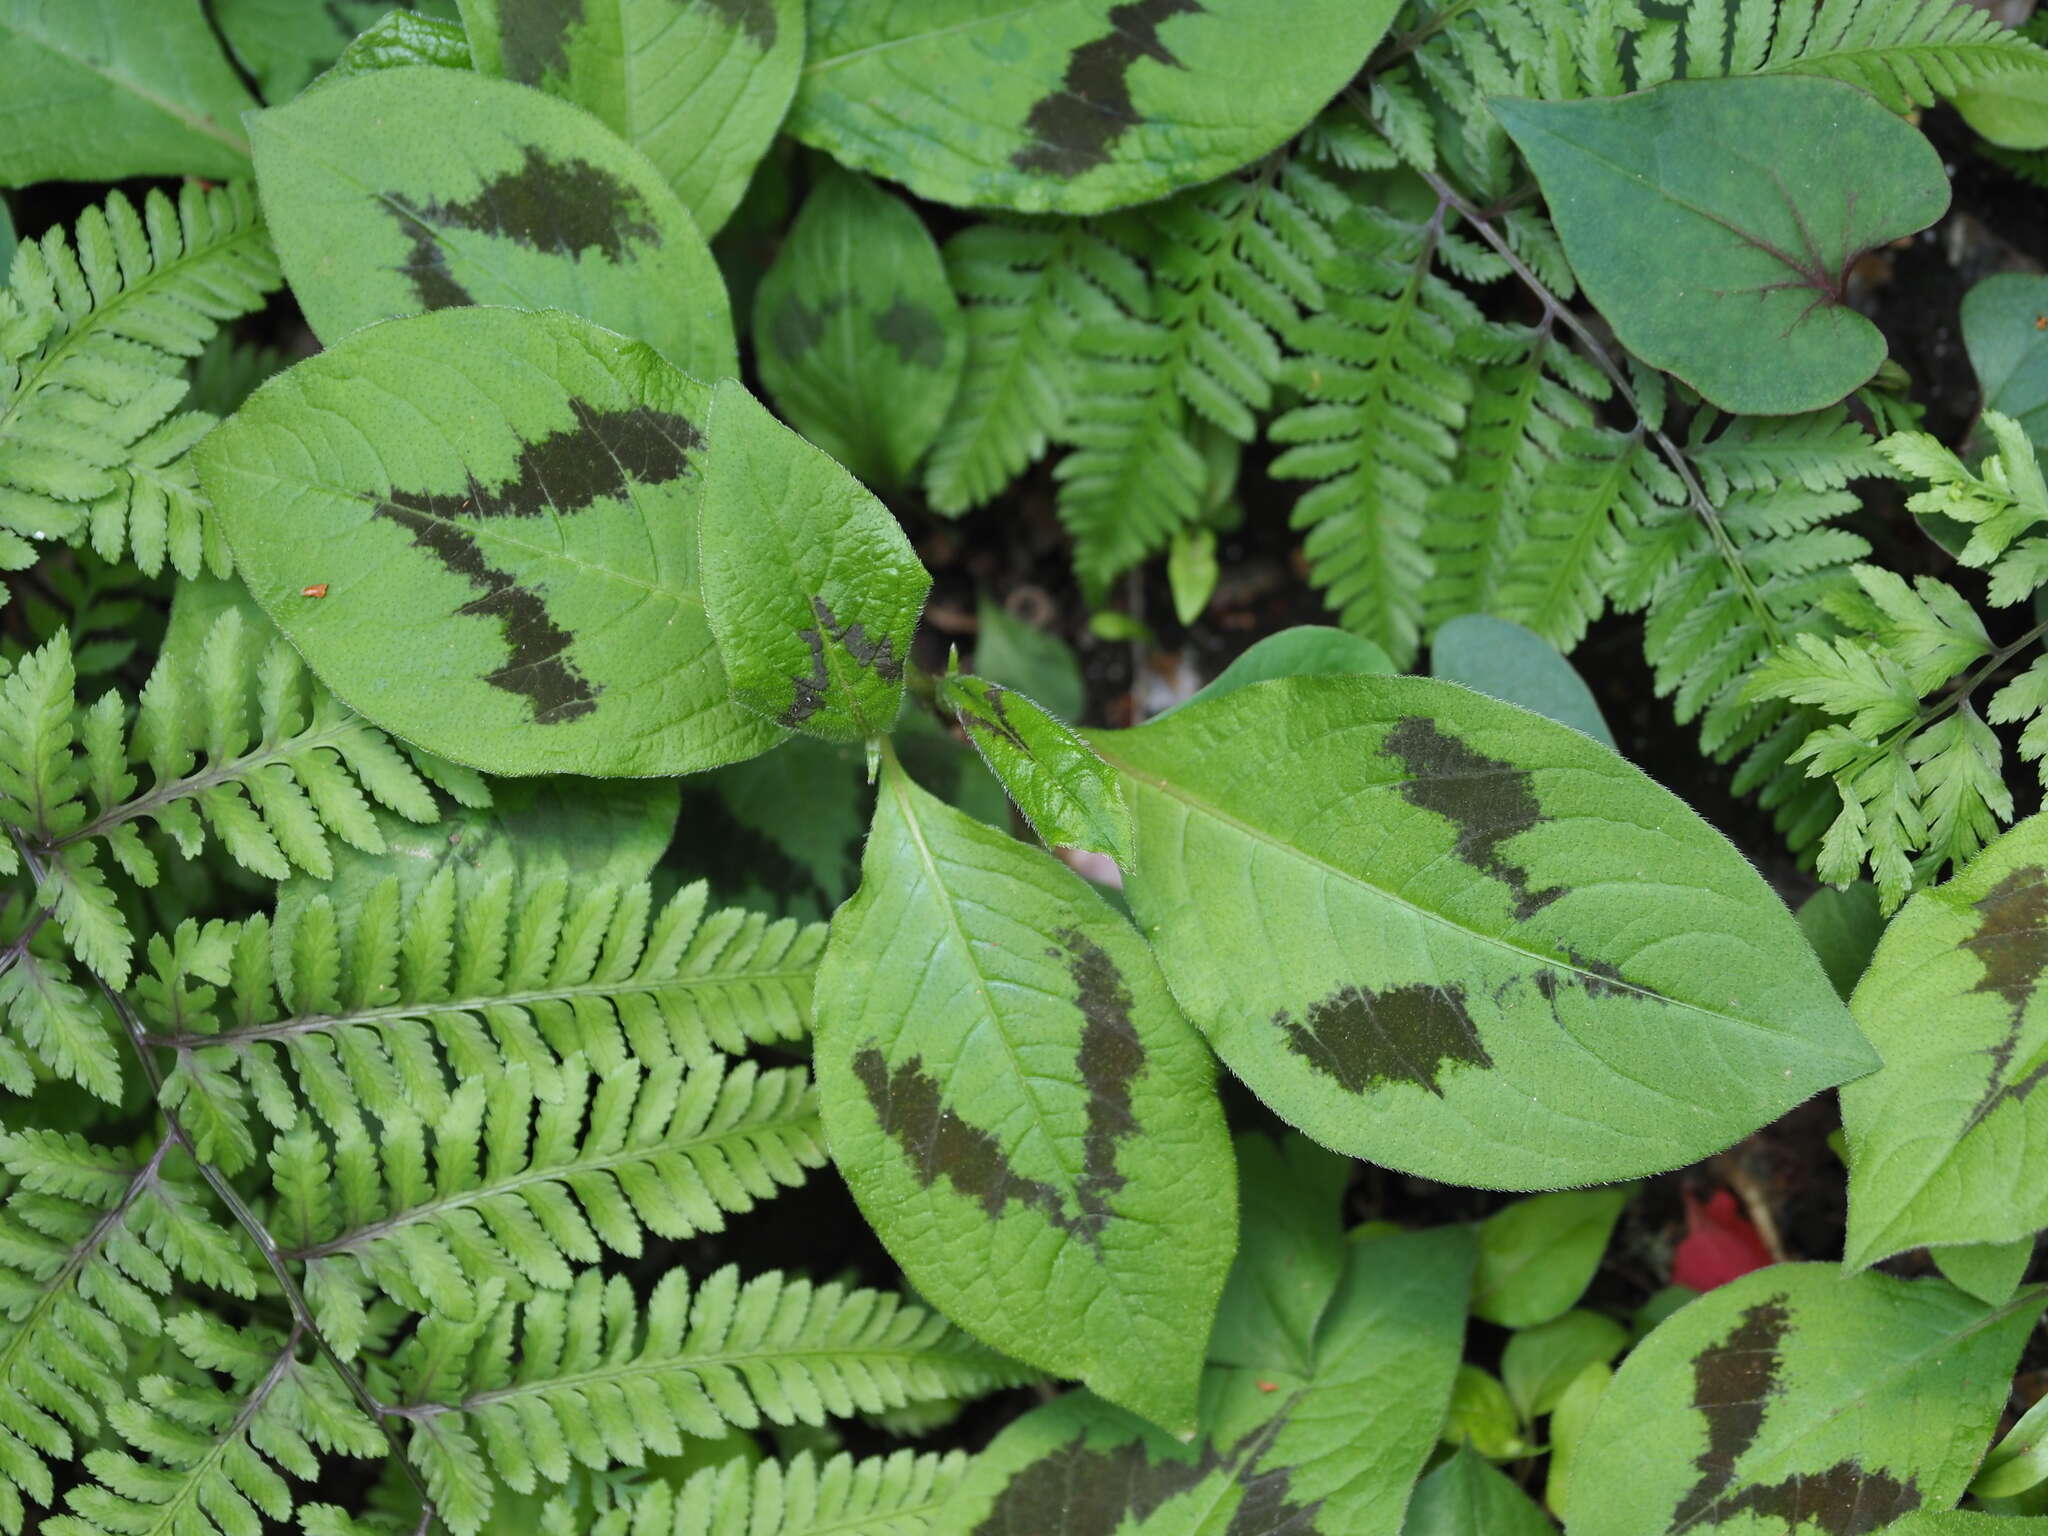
[[1459, 939], [1714, 253], [1071, 106], [2005, 328], [1020, 1109], [492, 194], [480, 528], [1798, 1399]]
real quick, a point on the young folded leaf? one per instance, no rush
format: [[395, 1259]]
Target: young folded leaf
[[859, 337], [1334, 1447], [698, 86], [1020, 1109], [809, 584], [1703, 242], [499, 510], [1071, 797], [1797, 1399], [1941, 1139], [1450, 936], [1070, 106], [494, 194]]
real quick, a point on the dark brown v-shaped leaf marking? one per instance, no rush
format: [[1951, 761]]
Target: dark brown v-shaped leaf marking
[[565, 207], [909, 1102], [1079, 1490], [1733, 1383], [563, 473], [1366, 1039], [1486, 800], [2011, 942], [533, 38], [1074, 128], [877, 653]]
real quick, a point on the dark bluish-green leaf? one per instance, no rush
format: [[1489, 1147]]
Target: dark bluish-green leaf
[[1290, 1254], [1991, 1272], [93, 93], [810, 585], [2008, 347], [1458, 939], [1330, 1450], [809, 799], [1940, 1138], [479, 526], [283, 44], [1071, 797], [1797, 1400], [414, 189], [1307, 650], [1843, 924], [698, 86], [1539, 1363], [1011, 652], [1505, 661], [1071, 106], [1021, 1111], [858, 335], [1715, 253], [1467, 1497]]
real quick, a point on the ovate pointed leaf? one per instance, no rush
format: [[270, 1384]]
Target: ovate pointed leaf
[[859, 336], [811, 587], [1023, 1114], [1467, 1497], [698, 86], [1943, 1141], [1071, 797], [2008, 350], [1332, 1449], [1714, 253], [489, 193], [1072, 106], [1796, 1400], [1991, 1272], [1453, 937], [479, 527]]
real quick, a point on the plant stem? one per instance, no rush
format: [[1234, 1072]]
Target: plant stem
[[303, 1321]]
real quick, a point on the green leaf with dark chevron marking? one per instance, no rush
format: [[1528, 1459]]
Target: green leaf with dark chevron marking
[[1330, 1448], [1071, 797], [1459, 939], [810, 585], [699, 86], [418, 189], [1071, 106], [1797, 1402], [1715, 253], [1020, 1109], [859, 337], [480, 528], [1945, 1142]]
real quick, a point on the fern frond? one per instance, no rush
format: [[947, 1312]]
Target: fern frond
[[210, 1457], [524, 1393], [1386, 399], [1235, 265], [380, 1005], [1520, 420], [896, 1495], [1907, 53], [517, 1188], [95, 332], [1028, 290], [89, 1239], [239, 740]]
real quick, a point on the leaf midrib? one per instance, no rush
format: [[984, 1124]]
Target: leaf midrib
[[201, 124]]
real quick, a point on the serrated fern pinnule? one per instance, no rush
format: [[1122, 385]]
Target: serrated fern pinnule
[[504, 1187], [894, 1495], [377, 1006], [96, 330], [1907, 53], [90, 1239], [588, 1376]]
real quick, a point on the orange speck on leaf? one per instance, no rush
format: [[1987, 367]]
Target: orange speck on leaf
[[1269, 1386], [318, 589]]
